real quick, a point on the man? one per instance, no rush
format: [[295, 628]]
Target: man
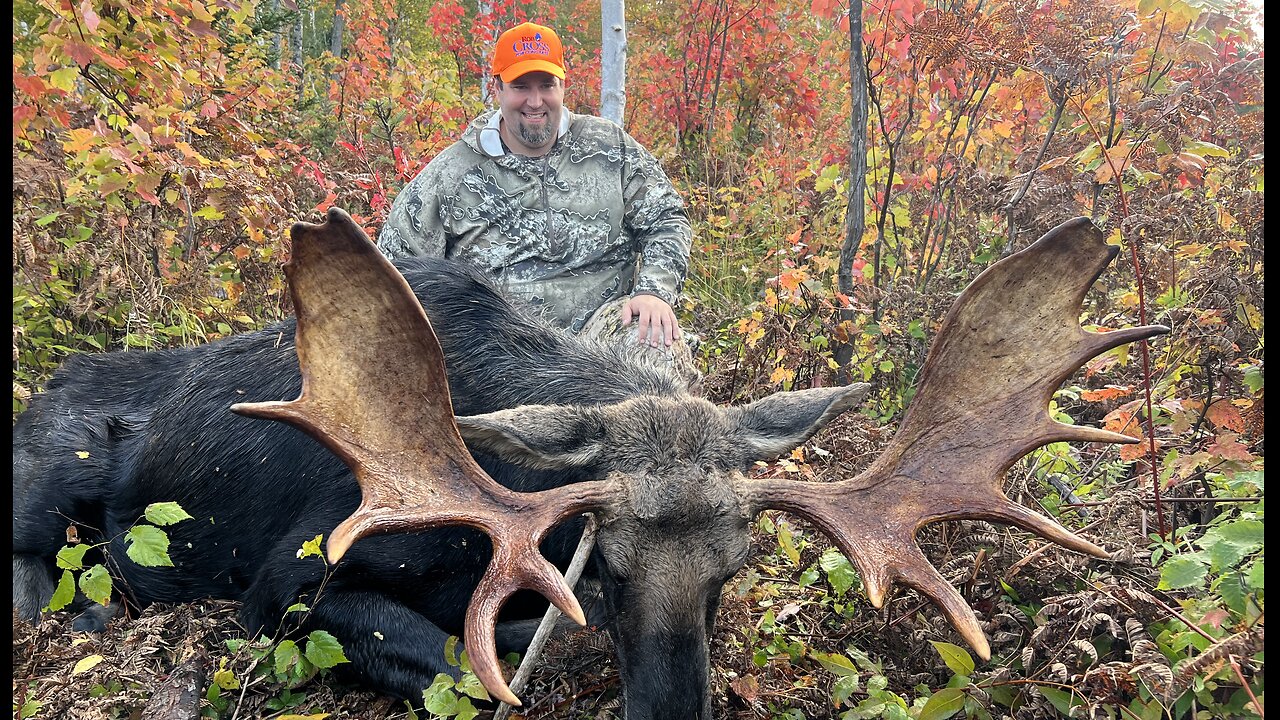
[[564, 210]]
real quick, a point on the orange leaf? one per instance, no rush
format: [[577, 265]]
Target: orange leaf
[[1225, 416], [79, 139], [1129, 453], [327, 202], [1109, 392]]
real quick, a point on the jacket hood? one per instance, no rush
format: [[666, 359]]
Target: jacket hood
[[482, 134]]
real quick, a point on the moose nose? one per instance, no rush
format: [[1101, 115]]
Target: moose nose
[[671, 682]]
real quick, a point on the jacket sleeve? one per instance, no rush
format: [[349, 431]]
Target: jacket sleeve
[[654, 214], [415, 227]]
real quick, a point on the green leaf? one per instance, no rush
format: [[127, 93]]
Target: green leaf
[[298, 607], [787, 543], [47, 219], [1231, 587], [63, 594], [844, 688], [1008, 590], [286, 656], [95, 583], [1062, 700], [165, 513], [835, 663], [465, 710], [148, 546], [1230, 542], [840, 572], [1205, 149], [470, 685], [72, 556], [324, 650], [64, 79], [451, 650], [209, 212], [1254, 575], [440, 699], [943, 704], [956, 657], [1183, 571], [312, 547]]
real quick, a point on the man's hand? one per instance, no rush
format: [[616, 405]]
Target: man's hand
[[655, 320]]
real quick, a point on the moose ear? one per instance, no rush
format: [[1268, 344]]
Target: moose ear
[[777, 424], [542, 437]]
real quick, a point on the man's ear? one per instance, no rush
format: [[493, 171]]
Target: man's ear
[[543, 437], [781, 422]]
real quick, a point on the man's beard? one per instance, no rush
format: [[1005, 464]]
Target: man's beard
[[535, 137]]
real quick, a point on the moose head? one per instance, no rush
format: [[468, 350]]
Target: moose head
[[670, 489]]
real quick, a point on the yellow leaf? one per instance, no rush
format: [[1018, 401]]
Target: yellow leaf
[[82, 454], [1225, 220], [86, 664]]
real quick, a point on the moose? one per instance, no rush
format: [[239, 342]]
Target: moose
[[448, 445]]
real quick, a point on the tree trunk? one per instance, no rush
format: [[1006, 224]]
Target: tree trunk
[[613, 59], [339, 23], [483, 9], [276, 39], [855, 208], [296, 47]]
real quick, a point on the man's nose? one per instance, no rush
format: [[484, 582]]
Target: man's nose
[[535, 98]]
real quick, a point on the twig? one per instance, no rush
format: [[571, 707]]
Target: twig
[[530, 660], [1245, 684], [1140, 278]]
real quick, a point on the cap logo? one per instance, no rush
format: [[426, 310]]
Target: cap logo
[[526, 46]]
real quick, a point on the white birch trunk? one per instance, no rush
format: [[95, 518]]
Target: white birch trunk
[[613, 59]]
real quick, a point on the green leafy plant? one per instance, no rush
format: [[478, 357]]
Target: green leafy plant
[[145, 543]]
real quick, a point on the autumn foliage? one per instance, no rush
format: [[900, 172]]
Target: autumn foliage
[[161, 148]]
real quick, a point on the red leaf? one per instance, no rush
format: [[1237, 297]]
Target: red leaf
[[82, 53], [21, 114], [210, 108], [33, 86], [148, 196], [1228, 448]]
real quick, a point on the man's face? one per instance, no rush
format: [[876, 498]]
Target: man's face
[[531, 106]]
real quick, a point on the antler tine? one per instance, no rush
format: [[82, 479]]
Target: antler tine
[[1011, 338], [375, 392]]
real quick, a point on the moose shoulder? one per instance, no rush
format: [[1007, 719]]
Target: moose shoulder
[[560, 426]]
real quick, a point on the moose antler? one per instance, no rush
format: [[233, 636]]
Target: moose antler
[[1012, 337], [374, 391]]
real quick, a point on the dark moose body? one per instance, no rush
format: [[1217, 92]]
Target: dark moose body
[[540, 409]]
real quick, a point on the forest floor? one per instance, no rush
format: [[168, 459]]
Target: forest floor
[[774, 624]]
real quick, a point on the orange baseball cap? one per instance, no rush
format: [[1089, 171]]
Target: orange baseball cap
[[526, 48]]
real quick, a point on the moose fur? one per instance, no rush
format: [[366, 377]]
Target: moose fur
[[538, 407]]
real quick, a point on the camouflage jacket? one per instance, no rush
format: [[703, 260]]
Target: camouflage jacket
[[593, 220]]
